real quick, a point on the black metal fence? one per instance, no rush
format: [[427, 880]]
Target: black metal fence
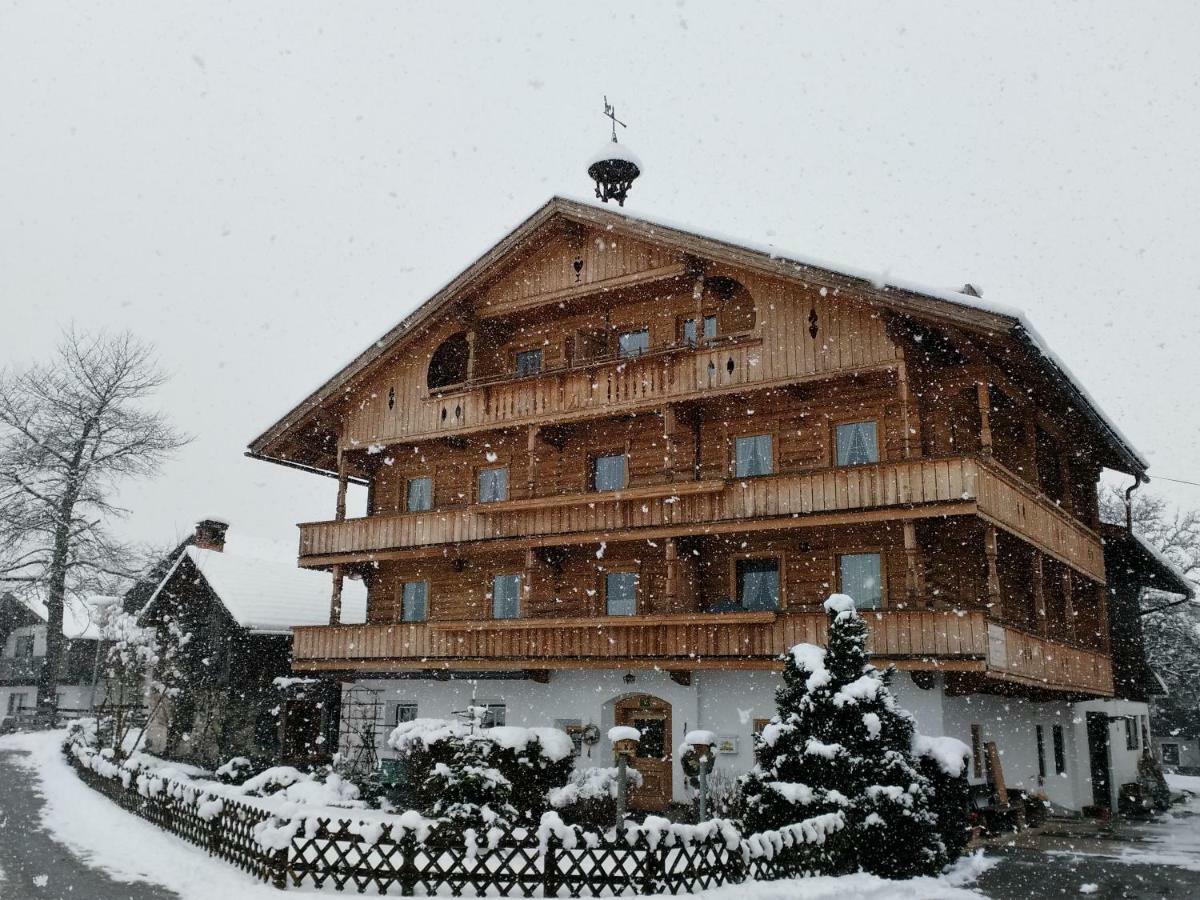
[[392, 857]]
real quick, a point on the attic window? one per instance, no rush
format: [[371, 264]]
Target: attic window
[[448, 364]]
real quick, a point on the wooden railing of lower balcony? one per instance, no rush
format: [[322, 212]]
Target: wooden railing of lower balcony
[[684, 641], [932, 640], [952, 485], [1030, 659]]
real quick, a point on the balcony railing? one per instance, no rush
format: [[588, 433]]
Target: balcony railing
[[934, 640], [953, 485]]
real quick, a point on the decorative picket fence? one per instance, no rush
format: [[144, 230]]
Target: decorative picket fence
[[392, 858]]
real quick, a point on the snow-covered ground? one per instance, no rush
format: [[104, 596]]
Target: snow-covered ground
[[1184, 783], [130, 849]]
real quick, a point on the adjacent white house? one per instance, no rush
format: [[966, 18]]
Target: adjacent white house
[[23, 632]]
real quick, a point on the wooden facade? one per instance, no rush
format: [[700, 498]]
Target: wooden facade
[[741, 408]]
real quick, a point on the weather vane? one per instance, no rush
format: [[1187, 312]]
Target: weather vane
[[611, 112], [614, 168]]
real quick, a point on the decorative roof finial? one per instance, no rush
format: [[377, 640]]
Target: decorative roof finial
[[614, 168]]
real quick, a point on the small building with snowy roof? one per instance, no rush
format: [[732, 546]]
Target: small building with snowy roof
[[23, 630], [237, 611]]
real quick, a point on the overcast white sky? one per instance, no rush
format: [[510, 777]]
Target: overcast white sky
[[262, 189]]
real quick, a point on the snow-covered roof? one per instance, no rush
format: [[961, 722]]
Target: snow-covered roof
[[81, 616], [586, 209], [266, 596]]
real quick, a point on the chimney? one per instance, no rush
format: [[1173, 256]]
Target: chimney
[[210, 534]]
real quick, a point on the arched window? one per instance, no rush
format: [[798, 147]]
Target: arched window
[[448, 364], [735, 306]]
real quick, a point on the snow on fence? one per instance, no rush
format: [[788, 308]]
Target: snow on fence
[[409, 856]]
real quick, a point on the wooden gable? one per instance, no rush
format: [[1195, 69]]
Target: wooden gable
[[570, 264]]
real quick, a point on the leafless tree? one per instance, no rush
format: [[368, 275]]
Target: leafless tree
[[71, 429], [1171, 629]]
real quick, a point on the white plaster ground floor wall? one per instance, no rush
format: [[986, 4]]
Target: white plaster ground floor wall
[[72, 698], [731, 704]]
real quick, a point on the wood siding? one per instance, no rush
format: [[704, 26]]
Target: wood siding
[[968, 484]]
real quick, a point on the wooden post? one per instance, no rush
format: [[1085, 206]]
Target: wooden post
[[335, 600], [902, 390], [343, 477], [991, 551], [1039, 593], [527, 583], [698, 297], [471, 335], [1068, 588], [669, 427], [985, 421], [911, 576], [531, 445], [672, 592], [1103, 637]]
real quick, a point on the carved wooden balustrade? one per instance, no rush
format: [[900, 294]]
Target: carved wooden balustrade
[[930, 486], [934, 640]]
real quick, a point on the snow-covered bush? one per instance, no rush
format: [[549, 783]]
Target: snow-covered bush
[[235, 770], [478, 776], [943, 761], [589, 798], [840, 752]]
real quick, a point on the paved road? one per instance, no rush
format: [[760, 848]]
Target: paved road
[[36, 867]]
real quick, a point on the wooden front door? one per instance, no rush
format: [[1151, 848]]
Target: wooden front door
[[652, 717]]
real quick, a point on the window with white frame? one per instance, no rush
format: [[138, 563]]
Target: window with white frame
[[405, 712], [1168, 752], [494, 715]]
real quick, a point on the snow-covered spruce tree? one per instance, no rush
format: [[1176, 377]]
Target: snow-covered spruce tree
[[840, 744]]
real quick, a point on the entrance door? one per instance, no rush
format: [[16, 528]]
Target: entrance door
[[1097, 732], [652, 717]]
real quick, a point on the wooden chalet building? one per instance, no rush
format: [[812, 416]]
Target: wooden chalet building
[[614, 467]]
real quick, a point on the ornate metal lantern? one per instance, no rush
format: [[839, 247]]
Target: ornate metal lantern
[[614, 168]]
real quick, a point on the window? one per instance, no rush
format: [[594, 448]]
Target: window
[[862, 579], [758, 584], [529, 362], [1170, 752], [420, 494], [1041, 750], [414, 606], [24, 647], [608, 472], [976, 751], [1060, 750], [633, 343], [494, 715], [760, 724], [689, 329], [1131, 736], [574, 730], [857, 444], [449, 362], [620, 593], [405, 712], [493, 485], [506, 597], [753, 456]]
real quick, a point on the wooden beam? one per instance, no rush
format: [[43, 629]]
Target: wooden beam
[[681, 677], [912, 582], [672, 566], [1039, 593], [335, 599], [339, 514], [990, 551], [985, 421]]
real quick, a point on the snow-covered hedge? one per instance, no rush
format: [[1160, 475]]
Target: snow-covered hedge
[[481, 777]]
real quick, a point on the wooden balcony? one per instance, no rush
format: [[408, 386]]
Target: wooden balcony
[[909, 489], [929, 640]]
